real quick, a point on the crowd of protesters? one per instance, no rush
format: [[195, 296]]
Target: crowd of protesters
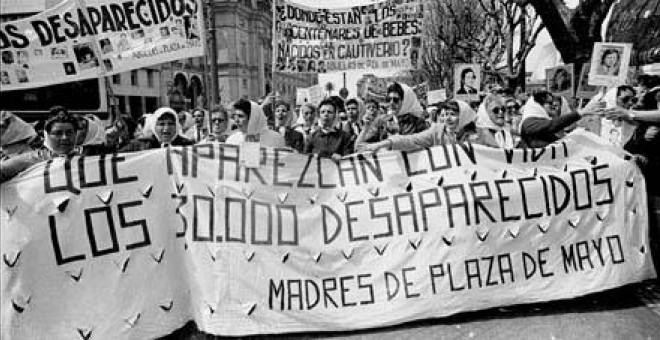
[[336, 127]]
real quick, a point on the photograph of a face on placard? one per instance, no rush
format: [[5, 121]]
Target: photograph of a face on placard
[[559, 80], [609, 64], [467, 81]]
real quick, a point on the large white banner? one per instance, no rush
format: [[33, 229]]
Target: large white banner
[[134, 245], [78, 40], [382, 35]]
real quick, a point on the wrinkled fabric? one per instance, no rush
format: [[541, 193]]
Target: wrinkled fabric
[[533, 109], [17, 129], [95, 132], [410, 104]]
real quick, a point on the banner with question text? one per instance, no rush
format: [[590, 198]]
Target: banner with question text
[[83, 39], [135, 245], [381, 35]]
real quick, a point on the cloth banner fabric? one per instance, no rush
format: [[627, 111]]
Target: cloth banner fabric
[[134, 245], [78, 40], [381, 35]]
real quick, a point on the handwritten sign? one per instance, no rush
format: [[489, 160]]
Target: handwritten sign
[[135, 245]]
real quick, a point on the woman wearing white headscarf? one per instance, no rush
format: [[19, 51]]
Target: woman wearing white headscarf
[[459, 126], [491, 123], [405, 116], [92, 142], [253, 126], [162, 129], [16, 136]]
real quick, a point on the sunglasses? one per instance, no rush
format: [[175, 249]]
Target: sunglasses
[[512, 107], [394, 100], [218, 120], [629, 99], [497, 110]]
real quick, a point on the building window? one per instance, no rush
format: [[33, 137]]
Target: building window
[[116, 78], [134, 78], [150, 78]]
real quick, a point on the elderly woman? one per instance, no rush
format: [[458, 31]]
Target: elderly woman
[[491, 123], [405, 116], [16, 136], [59, 141], [284, 120], [220, 126], [307, 120], [539, 129], [459, 126], [253, 126], [161, 129]]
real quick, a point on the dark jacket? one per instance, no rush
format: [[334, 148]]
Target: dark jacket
[[539, 132], [294, 139], [148, 143], [325, 144]]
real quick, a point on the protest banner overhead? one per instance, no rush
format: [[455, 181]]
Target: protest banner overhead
[[135, 245], [381, 35], [72, 41]]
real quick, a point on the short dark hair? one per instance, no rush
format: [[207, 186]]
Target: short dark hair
[[281, 103], [168, 115], [624, 88], [541, 97], [243, 105], [372, 101], [608, 52], [352, 101], [395, 87], [465, 72], [62, 117], [452, 105], [338, 103], [328, 101]]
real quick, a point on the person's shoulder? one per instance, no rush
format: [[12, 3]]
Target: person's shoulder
[[182, 141]]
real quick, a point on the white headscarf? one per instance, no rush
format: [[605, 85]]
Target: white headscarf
[[150, 122], [466, 114], [533, 109], [258, 125], [410, 103], [17, 129], [502, 133], [95, 132]]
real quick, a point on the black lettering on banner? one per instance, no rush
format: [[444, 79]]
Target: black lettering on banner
[[374, 167], [617, 241], [473, 273], [123, 223], [599, 250], [184, 221], [68, 186], [447, 160], [400, 212], [529, 271], [276, 167], [367, 286], [505, 270], [567, 194], [489, 274], [114, 247], [537, 153], [349, 222], [268, 220], [82, 174], [59, 257], [317, 294], [576, 197], [343, 287], [276, 292], [224, 160], [462, 203], [196, 154], [407, 283], [256, 170], [386, 215], [304, 172], [319, 173], [325, 210], [508, 155], [424, 205], [433, 274], [504, 199], [118, 17], [478, 200], [19, 39], [582, 251], [394, 290], [468, 149], [406, 162], [606, 181], [228, 218], [521, 183], [210, 212], [351, 168], [294, 288], [129, 10], [329, 285], [568, 258], [115, 160], [183, 152], [546, 195], [294, 224], [542, 262]]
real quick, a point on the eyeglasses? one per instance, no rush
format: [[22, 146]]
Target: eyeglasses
[[498, 109], [218, 120], [629, 99], [394, 100], [512, 107]]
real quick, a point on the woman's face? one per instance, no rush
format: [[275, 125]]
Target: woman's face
[[442, 116], [83, 124], [497, 112], [353, 112], [451, 118], [327, 116], [62, 137], [470, 79], [281, 114], [219, 122], [394, 102], [241, 120], [166, 129], [199, 118], [308, 115], [611, 59]]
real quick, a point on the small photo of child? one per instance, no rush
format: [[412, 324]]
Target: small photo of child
[[69, 68]]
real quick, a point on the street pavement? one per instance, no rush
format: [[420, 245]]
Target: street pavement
[[628, 313]]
